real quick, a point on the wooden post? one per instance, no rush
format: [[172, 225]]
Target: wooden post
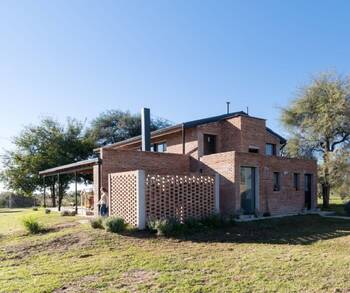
[[44, 192], [59, 192], [76, 192]]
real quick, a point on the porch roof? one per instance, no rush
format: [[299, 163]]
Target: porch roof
[[80, 166]]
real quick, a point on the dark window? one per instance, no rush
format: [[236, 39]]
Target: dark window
[[209, 144], [276, 181], [158, 147], [296, 180], [253, 150], [270, 149]]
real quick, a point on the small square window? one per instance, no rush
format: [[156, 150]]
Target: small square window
[[253, 149], [159, 147], [276, 181]]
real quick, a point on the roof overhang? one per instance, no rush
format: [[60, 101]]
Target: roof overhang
[[81, 166]]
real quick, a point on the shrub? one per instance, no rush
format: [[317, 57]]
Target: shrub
[[115, 225], [35, 209], [47, 211], [347, 208], [96, 223], [214, 221], [68, 213], [32, 225], [166, 227], [194, 224]]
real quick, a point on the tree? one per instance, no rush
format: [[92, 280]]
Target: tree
[[114, 125], [319, 123], [44, 146]]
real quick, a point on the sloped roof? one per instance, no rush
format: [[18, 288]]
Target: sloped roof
[[190, 124]]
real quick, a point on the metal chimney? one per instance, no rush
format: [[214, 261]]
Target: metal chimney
[[146, 129]]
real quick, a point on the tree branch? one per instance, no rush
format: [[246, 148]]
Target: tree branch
[[345, 137]]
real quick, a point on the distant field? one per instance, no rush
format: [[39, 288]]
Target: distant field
[[301, 253]]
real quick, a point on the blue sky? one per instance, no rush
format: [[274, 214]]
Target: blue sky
[[183, 59]]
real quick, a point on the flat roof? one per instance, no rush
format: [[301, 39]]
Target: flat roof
[[70, 168]]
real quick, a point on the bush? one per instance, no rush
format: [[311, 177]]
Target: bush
[[47, 211], [214, 221], [347, 208], [166, 227], [96, 223], [35, 209], [32, 225], [115, 225], [68, 213]]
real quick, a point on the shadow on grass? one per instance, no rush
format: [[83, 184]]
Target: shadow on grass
[[296, 230]]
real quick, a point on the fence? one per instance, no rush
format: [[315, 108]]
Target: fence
[[137, 197]]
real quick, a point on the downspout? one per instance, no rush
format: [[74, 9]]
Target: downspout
[[183, 139]]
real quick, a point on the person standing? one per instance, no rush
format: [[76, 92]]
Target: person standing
[[103, 202]]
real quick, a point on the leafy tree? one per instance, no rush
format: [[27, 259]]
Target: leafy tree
[[319, 123], [114, 125], [44, 146]]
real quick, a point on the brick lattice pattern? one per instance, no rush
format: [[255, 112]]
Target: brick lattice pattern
[[123, 196], [180, 197]]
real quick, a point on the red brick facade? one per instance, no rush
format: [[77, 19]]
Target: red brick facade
[[234, 137]]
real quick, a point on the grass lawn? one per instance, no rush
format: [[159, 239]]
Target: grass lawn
[[302, 253], [336, 204]]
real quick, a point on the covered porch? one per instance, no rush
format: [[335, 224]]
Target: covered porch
[[76, 169]]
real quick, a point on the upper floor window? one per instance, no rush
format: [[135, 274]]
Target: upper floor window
[[276, 181], [209, 144], [159, 147], [253, 149], [270, 149]]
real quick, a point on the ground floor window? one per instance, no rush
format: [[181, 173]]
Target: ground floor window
[[296, 181], [276, 181]]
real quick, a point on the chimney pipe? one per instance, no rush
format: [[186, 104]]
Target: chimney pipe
[[228, 107], [146, 129]]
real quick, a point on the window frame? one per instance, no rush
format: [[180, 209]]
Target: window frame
[[296, 181], [274, 149], [155, 147], [205, 150], [276, 181]]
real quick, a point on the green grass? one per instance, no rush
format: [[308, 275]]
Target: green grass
[[302, 253], [11, 219], [336, 204]]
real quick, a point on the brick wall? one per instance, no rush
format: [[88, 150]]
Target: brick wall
[[114, 161], [123, 193], [287, 200], [180, 197], [222, 164]]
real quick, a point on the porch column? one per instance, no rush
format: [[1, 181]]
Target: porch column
[[44, 192], [59, 192], [141, 201], [76, 192]]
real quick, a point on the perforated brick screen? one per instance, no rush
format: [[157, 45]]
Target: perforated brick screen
[[123, 196], [181, 197]]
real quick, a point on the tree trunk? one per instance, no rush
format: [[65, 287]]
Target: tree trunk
[[325, 195], [326, 185]]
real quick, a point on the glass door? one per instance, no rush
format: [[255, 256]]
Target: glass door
[[247, 189]]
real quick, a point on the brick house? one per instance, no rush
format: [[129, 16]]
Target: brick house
[[240, 149]]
